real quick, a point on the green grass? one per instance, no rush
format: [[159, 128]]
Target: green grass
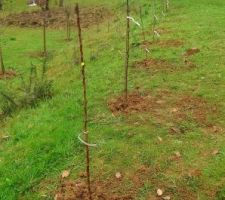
[[43, 141]]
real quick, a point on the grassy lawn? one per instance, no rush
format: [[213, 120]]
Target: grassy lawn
[[183, 156]]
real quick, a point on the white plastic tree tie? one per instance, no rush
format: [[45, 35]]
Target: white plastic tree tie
[[157, 34], [85, 143], [134, 21]]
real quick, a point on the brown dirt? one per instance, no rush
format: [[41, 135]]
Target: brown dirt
[[167, 108], [192, 51], [77, 190], [128, 187], [38, 54], [56, 18], [155, 65], [71, 190], [164, 43], [135, 103], [7, 75]]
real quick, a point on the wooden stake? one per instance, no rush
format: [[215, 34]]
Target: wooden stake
[[85, 128], [127, 52]]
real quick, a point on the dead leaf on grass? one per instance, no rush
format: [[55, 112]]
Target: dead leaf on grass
[[65, 173], [215, 152], [118, 175], [159, 192]]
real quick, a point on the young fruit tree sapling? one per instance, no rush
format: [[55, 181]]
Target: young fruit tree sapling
[[85, 127]]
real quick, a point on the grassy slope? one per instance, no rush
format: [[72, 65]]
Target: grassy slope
[[43, 141]]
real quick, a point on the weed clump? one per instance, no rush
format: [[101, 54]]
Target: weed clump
[[33, 92]]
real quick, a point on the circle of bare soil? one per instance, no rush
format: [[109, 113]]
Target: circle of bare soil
[[167, 108], [71, 190], [155, 65], [163, 43], [125, 188], [56, 18], [7, 75], [40, 54]]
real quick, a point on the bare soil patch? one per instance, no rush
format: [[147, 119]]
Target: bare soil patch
[[56, 18], [125, 188], [164, 43], [7, 75], [77, 190], [192, 51], [135, 103], [167, 108], [155, 65]]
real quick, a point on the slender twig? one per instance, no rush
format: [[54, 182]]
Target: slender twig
[[154, 18], [127, 51], [1, 61], [44, 34], [143, 31], [67, 12], [85, 128]]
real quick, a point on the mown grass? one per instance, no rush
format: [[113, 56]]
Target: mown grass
[[43, 141]]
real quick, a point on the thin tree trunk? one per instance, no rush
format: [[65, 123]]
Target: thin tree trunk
[[154, 18], [86, 135], [127, 52], [46, 4], [44, 35], [67, 24], [61, 3], [143, 31], [1, 60], [1, 4]]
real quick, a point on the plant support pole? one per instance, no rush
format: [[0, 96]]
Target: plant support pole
[[86, 136], [127, 51]]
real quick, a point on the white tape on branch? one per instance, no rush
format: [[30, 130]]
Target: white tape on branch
[[134, 21]]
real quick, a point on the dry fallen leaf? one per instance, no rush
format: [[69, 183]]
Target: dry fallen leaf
[[174, 110], [177, 154], [56, 197], [118, 175], [159, 192], [215, 152], [166, 198], [160, 139], [65, 173], [5, 137], [175, 130]]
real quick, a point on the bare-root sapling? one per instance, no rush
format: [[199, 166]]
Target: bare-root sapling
[[44, 35], [85, 127], [127, 55], [2, 62], [68, 27]]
